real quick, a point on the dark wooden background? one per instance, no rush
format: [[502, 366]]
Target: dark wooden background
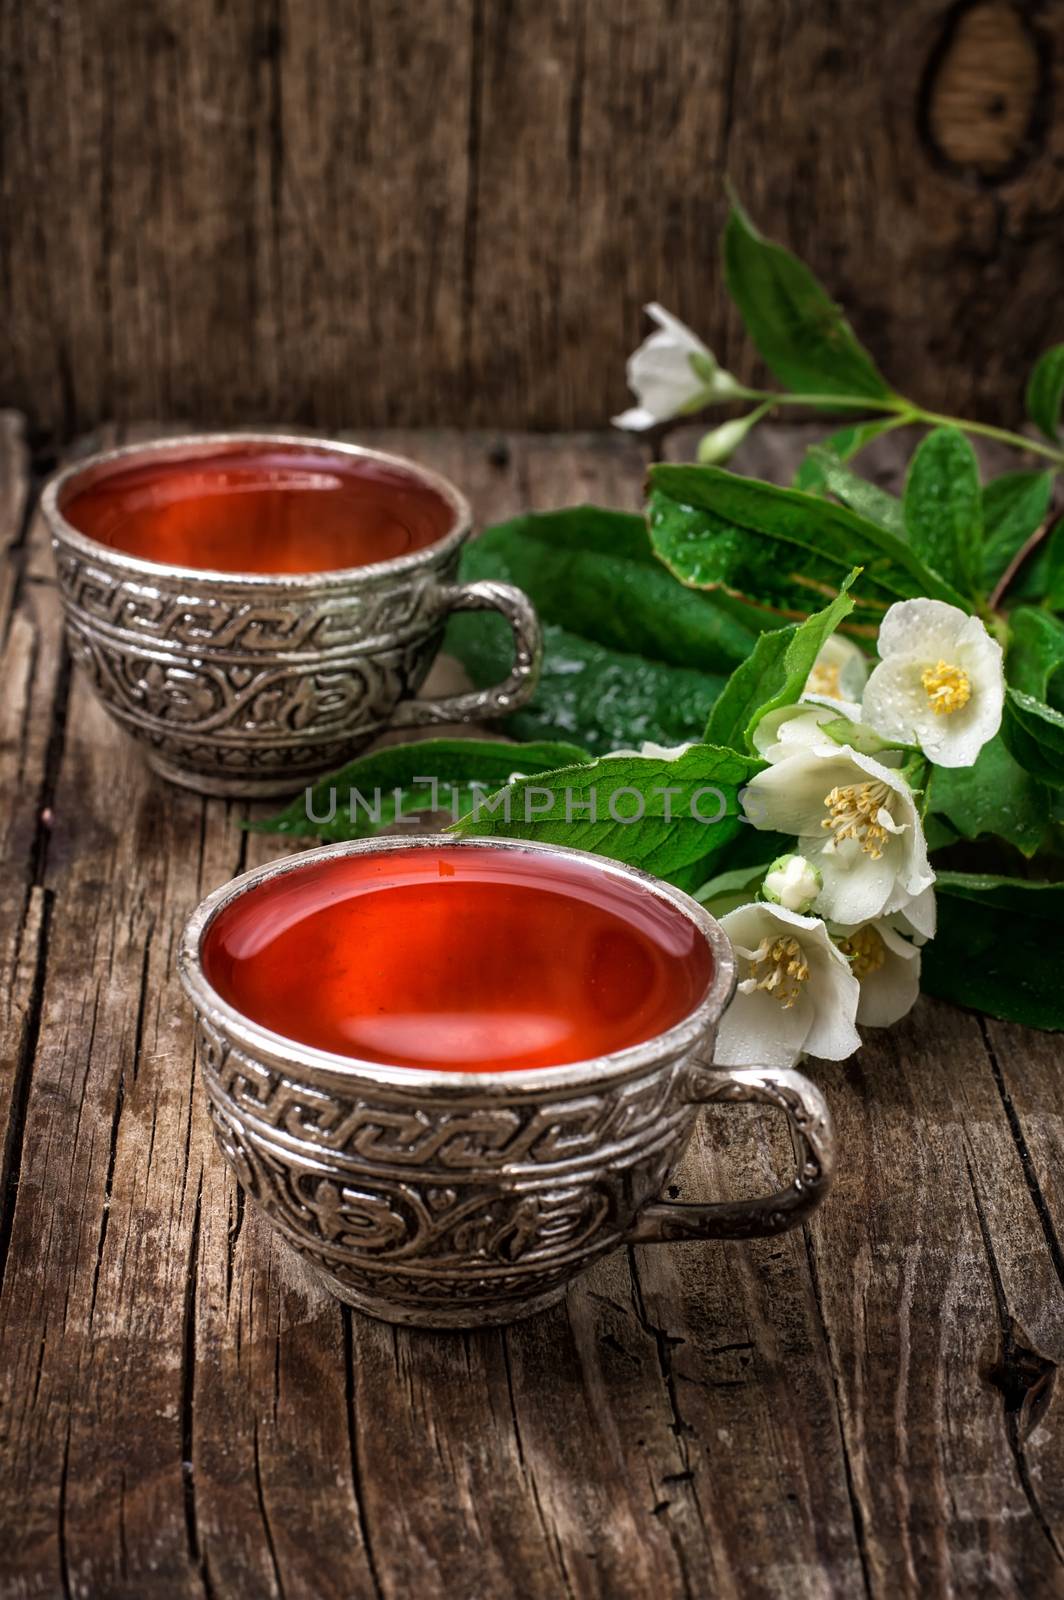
[[450, 211]]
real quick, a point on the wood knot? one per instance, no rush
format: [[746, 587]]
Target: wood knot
[[1025, 1379], [982, 92]]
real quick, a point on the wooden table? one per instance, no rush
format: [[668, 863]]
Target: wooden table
[[862, 1407]]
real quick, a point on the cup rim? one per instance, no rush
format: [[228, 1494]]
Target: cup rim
[[311, 1063], [218, 442]]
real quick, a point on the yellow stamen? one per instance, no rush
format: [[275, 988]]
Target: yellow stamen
[[947, 687], [824, 681], [853, 813], [865, 950], [779, 968]]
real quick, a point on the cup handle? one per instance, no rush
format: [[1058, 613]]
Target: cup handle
[[808, 1114], [504, 697]]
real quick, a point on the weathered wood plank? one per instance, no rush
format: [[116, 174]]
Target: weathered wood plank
[[453, 213]]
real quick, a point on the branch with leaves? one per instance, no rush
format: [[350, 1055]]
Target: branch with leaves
[[873, 685]]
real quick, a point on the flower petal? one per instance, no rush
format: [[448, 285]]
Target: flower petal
[[857, 887], [922, 627], [677, 332], [756, 1031], [891, 991], [918, 915], [895, 699], [635, 418]]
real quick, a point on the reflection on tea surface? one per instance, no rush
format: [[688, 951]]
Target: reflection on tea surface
[[261, 509], [458, 959]]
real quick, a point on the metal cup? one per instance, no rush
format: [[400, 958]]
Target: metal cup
[[450, 1199], [253, 685]]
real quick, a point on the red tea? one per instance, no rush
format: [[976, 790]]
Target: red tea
[[467, 959], [262, 509]]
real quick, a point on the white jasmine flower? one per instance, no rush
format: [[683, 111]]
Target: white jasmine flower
[[786, 730], [792, 882], [917, 918], [840, 671], [671, 373], [795, 993], [857, 822], [886, 966], [939, 682]]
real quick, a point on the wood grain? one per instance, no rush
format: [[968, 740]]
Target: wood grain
[[452, 213], [868, 1406]]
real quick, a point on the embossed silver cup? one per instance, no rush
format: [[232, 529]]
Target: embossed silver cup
[[449, 1200], [251, 684]]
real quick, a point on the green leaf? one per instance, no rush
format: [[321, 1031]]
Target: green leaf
[[1053, 587], [859, 736], [630, 654], [1045, 391], [360, 799], [1034, 710], [785, 549], [995, 796], [999, 947], [603, 699], [737, 887], [1034, 732], [943, 508], [656, 814], [801, 333], [774, 674], [938, 833], [843, 444], [594, 573], [1041, 579], [1014, 507], [1035, 653], [867, 499]]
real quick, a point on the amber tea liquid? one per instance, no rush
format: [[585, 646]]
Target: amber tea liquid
[[261, 509], [465, 960]]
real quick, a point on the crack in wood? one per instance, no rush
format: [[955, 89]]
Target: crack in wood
[[1007, 1374], [1030, 1177], [857, 1510], [15, 1131], [472, 201], [550, 1532], [61, 1530], [357, 1484], [260, 1500], [187, 1398]]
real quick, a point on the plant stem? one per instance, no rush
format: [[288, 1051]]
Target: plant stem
[[987, 431], [1017, 562], [838, 402], [906, 411]]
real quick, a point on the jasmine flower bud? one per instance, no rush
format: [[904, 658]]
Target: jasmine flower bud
[[792, 882]]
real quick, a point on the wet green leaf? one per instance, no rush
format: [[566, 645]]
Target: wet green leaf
[[774, 674], [431, 774], [943, 508], [1014, 506], [657, 814]]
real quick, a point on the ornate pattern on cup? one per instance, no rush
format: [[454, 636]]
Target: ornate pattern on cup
[[243, 684], [448, 1199]]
